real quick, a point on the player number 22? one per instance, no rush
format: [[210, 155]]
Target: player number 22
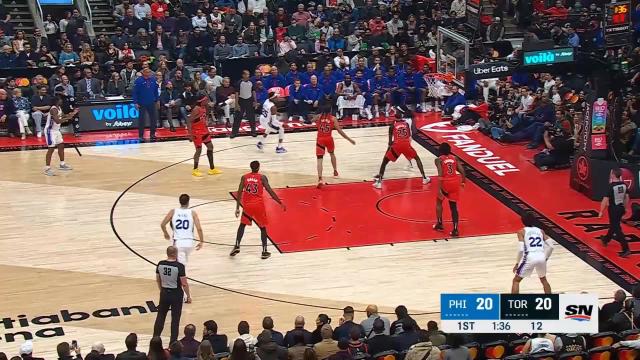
[[182, 224], [535, 241]]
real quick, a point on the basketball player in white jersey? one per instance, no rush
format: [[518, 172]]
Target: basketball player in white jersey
[[534, 252], [53, 136], [349, 97], [183, 221], [271, 123]]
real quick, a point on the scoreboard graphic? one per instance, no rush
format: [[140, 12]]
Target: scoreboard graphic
[[519, 313], [617, 23]]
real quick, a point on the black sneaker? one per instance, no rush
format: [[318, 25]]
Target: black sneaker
[[265, 255], [454, 233], [605, 240], [438, 227], [235, 251], [624, 254]]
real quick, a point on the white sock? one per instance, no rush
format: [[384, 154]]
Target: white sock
[[47, 167], [62, 163]]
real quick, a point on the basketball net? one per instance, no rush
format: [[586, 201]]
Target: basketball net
[[437, 84]]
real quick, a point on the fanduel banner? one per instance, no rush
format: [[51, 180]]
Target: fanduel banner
[[108, 116]]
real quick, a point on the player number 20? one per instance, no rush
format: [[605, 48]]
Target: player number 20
[[182, 224], [543, 303], [484, 304]]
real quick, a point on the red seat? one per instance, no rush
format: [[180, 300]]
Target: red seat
[[633, 334], [573, 356], [603, 339], [625, 353], [517, 346], [474, 350], [495, 350], [601, 353]]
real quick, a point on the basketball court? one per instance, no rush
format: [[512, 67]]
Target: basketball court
[[86, 241]]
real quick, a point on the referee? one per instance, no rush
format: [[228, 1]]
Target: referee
[[172, 279], [616, 201]]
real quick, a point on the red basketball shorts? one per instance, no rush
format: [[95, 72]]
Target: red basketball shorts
[[201, 138], [401, 148], [254, 212], [451, 189], [325, 144]]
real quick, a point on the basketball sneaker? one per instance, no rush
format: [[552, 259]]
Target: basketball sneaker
[[49, 172], [335, 172], [265, 255], [196, 173], [455, 233], [624, 254], [438, 227], [214, 171], [235, 251], [426, 180], [280, 150], [260, 145], [377, 183], [65, 167]]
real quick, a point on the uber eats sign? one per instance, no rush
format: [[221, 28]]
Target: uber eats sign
[[547, 57]]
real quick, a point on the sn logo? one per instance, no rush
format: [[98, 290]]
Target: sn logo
[[578, 312]]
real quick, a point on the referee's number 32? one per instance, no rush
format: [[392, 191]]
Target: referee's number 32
[[166, 271]]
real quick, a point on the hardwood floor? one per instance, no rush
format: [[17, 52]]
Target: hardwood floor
[[60, 251]]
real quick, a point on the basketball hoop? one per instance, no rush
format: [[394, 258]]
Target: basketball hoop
[[437, 84]]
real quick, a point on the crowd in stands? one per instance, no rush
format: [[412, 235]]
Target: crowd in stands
[[375, 337]]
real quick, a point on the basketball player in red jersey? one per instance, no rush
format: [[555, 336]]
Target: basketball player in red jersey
[[400, 144], [326, 123], [199, 134], [250, 196], [449, 186]]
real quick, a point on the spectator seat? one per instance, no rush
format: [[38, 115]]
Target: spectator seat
[[494, 350], [625, 353], [607, 338], [474, 350], [385, 355], [516, 346], [573, 356], [601, 353], [633, 334]]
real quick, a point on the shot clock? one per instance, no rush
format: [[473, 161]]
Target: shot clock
[[617, 23], [519, 313]]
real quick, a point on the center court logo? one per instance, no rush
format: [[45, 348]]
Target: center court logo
[[578, 312]]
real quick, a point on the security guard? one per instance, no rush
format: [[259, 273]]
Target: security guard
[[616, 202], [172, 279]]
